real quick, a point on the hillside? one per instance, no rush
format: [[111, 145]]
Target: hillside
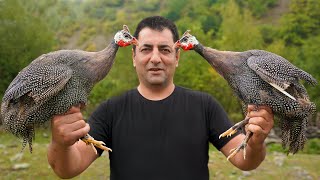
[[284, 27]]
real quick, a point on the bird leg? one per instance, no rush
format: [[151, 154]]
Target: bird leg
[[89, 140], [243, 146], [232, 131], [234, 128]]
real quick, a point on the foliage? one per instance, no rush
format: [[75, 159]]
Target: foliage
[[174, 9], [245, 36], [257, 7], [40, 26], [23, 37], [301, 22], [31, 28], [312, 146]]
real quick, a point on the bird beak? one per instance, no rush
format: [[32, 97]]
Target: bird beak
[[135, 41], [177, 44]]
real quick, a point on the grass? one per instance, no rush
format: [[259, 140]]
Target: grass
[[276, 165]]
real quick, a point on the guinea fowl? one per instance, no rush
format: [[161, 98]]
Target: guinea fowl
[[262, 78], [53, 83]]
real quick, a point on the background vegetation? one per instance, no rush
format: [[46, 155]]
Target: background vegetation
[[289, 28]]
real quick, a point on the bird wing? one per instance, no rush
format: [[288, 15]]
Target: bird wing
[[275, 70], [39, 82]]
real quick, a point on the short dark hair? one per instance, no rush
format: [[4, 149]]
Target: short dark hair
[[157, 23]]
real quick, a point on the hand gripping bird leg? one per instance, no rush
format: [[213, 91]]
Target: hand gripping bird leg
[[243, 146], [89, 140], [232, 131]]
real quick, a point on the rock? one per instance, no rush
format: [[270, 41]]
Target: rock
[[21, 166], [45, 135], [301, 173], [246, 173], [313, 132], [16, 157], [279, 159], [272, 138]]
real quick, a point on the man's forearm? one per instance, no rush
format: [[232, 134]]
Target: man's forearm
[[254, 156], [64, 161]]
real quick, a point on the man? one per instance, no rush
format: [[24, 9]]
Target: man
[[158, 130]]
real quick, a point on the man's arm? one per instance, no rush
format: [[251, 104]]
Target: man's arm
[[68, 156], [260, 123]]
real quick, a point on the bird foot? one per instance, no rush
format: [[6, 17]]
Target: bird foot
[[228, 132], [89, 140], [234, 151], [243, 146]]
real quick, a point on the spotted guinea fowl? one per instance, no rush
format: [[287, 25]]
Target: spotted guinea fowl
[[54, 82], [262, 78]]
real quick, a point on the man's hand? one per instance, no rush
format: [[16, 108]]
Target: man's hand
[[67, 158], [260, 124], [68, 128]]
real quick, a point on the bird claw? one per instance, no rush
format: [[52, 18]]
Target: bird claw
[[234, 151], [89, 140], [234, 128], [243, 146], [228, 132], [232, 131]]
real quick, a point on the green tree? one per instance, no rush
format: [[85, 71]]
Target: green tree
[[238, 29], [301, 22], [310, 53], [257, 7], [23, 37]]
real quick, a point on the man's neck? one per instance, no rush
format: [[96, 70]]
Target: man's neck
[[156, 93]]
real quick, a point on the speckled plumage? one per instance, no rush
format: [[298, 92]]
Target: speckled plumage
[[52, 83], [253, 76]]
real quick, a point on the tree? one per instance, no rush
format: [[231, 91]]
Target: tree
[[238, 30], [310, 54], [23, 37], [301, 22]]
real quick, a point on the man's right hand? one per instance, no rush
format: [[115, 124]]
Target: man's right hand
[[66, 157], [68, 128]]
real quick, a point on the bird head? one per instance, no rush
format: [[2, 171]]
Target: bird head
[[187, 41], [124, 38]]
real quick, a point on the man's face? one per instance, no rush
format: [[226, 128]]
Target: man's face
[[155, 59]]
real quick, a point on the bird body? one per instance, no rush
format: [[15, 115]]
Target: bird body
[[54, 82], [263, 78]]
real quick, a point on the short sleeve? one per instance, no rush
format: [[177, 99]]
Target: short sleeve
[[218, 123], [100, 125]]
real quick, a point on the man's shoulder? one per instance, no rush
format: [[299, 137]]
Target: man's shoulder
[[123, 96], [192, 92]]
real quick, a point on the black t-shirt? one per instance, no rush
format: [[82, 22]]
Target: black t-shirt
[[165, 139]]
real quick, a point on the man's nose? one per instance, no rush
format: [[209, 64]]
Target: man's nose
[[155, 58]]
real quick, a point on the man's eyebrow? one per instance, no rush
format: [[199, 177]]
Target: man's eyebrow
[[147, 45], [164, 46], [159, 46]]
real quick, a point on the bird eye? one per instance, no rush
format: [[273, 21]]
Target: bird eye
[[126, 35], [184, 39]]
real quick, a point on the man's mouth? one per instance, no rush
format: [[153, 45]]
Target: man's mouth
[[155, 69]]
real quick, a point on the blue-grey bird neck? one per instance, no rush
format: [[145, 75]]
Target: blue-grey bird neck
[[103, 61]]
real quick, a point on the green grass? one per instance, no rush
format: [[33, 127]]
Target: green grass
[[276, 165]]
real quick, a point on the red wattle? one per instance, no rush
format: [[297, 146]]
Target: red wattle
[[121, 43]]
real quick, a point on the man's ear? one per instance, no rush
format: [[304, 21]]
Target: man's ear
[[177, 57], [133, 55]]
